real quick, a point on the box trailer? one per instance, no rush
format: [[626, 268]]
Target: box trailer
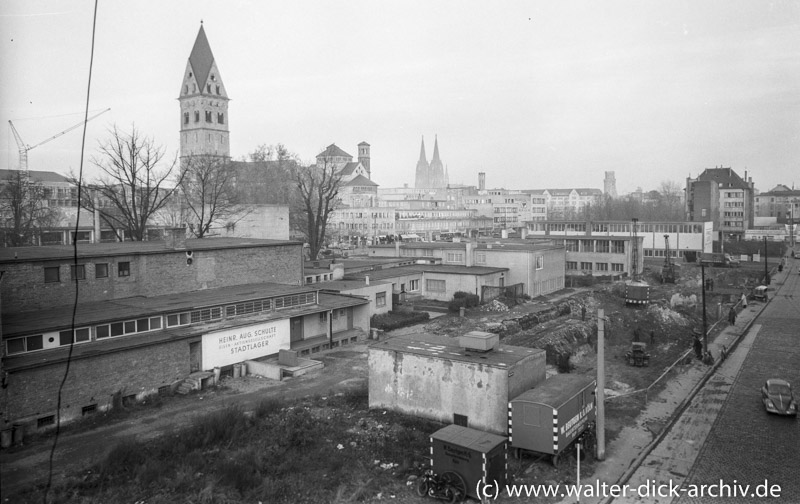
[[550, 417], [468, 456]]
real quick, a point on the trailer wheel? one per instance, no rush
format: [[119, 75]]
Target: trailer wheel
[[558, 460], [454, 481], [517, 453], [422, 487]]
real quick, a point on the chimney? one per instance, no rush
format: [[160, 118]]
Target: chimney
[[470, 247], [397, 248], [366, 279]]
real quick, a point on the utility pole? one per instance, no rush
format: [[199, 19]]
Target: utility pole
[[705, 330], [766, 267], [600, 396]]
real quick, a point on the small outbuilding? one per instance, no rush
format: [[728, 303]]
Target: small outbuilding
[[467, 381]]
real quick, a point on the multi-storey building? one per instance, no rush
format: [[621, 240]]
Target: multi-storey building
[[779, 202], [566, 203], [724, 189]]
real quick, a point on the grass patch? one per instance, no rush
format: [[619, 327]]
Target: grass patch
[[319, 449]]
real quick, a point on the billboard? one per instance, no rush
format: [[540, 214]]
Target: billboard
[[237, 344]]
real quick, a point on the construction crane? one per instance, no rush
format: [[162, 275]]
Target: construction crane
[[25, 148], [668, 270]]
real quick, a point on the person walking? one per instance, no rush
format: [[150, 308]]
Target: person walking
[[698, 348], [732, 316], [744, 300]]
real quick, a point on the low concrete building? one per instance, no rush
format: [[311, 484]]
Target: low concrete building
[[435, 377]]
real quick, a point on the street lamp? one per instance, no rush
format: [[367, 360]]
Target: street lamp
[[705, 330]]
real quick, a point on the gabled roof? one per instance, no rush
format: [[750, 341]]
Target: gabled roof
[[333, 151], [725, 176], [349, 168], [201, 58], [360, 180]]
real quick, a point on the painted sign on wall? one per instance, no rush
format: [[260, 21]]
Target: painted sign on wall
[[229, 346]]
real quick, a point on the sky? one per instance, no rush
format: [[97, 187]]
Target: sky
[[536, 94]]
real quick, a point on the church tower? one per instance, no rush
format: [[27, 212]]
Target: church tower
[[436, 173], [610, 185], [421, 181], [363, 157], [204, 104]]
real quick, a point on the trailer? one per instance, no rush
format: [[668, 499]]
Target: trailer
[[461, 457], [551, 417], [719, 260]]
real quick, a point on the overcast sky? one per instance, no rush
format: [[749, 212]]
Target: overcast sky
[[536, 94]]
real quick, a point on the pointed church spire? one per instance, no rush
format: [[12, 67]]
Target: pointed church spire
[[435, 149], [421, 180], [436, 177], [201, 57]]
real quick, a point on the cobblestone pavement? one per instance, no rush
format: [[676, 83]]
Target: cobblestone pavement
[[747, 446], [725, 435]]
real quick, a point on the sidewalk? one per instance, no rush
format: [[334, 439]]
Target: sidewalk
[[638, 454]]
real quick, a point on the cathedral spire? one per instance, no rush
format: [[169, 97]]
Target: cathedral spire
[[421, 180], [436, 178]]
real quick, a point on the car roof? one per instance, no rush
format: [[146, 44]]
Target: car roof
[[778, 381]]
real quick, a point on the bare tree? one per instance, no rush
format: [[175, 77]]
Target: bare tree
[[24, 209], [317, 191], [671, 200], [267, 178], [135, 182], [208, 193]]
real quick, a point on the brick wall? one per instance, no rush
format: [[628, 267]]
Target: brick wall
[[32, 393], [23, 287]]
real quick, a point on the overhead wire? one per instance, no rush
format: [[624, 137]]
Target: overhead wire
[[75, 276]]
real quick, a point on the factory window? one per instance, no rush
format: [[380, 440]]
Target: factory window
[[206, 314], [51, 275], [380, 299], [617, 246], [323, 317], [539, 262], [178, 319], [77, 272], [436, 285], [480, 258], [602, 246], [124, 269], [617, 267], [601, 266], [101, 270], [80, 336], [456, 257], [586, 266], [572, 265], [128, 327], [413, 285], [572, 245], [26, 344], [248, 307]]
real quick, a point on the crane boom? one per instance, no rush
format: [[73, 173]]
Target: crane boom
[[24, 148]]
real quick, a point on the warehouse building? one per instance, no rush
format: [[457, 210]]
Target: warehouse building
[[152, 315]]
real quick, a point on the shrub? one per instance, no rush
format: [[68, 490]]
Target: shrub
[[463, 299], [218, 427], [456, 304], [397, 319], [267, 407]]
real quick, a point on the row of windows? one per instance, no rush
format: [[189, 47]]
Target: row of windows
[[645, 227], [600, 246], [52, 274], [147, 324], [209, 117], [587, 266]]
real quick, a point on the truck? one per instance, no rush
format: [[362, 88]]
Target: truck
[[719, 260]]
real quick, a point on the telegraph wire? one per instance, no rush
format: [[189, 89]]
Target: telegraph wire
[[74, 263]]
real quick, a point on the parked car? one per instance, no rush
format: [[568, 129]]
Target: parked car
[[776, 394]]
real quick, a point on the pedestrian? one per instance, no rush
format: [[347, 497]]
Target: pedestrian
[[583, 312], [698, 348], [732, 316], [744, 300]]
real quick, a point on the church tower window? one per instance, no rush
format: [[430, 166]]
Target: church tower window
[[208, 116], [186, 118], [196, 116], [221, 118]]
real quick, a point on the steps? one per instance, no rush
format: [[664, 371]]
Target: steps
[[188, 385]]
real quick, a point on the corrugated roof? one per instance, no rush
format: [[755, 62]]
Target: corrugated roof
[[476, 440], [556, 390], [99, 312]]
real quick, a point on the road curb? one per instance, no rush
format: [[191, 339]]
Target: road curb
[[680, 409]]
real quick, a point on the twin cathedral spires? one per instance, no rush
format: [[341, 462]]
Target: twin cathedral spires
[[430, 175]]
